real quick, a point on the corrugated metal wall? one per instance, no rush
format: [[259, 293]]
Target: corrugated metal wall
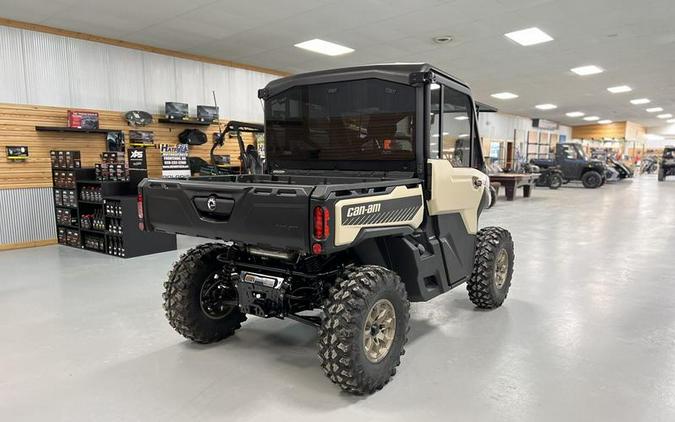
[[26, 215], [46, 69]]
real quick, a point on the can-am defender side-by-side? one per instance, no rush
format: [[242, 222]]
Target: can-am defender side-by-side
[[667, 164], [370, 200]]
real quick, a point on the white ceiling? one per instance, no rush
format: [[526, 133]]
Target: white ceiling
[[634, 41]]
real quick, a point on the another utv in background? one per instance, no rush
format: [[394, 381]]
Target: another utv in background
[[574, 164], [667, 165]]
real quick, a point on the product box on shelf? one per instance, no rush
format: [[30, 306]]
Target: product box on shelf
[[82, 119]]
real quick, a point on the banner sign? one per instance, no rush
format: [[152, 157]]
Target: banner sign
[[136, 157], [174, 160]]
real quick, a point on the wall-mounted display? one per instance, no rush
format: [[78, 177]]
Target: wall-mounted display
[[17, 153]]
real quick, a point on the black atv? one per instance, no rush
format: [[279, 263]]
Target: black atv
[[551, 177]]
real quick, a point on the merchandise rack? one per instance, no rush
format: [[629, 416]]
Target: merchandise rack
[[127, 241]]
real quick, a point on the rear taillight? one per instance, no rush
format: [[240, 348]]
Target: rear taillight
[[139, 205], [321, 223]]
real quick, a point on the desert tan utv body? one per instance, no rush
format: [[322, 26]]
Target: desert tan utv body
[[370, 199]]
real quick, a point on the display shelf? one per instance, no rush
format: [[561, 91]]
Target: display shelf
[[94, 231], [64, 129], [189, 122], [68, 226], [80, 201]]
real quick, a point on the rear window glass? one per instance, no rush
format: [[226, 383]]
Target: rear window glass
[[367, 119]]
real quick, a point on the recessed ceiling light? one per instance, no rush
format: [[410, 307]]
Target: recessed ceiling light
[[639, 101], [604, 121], [619, 89], [546, 106], [670, 120], [591, 118], [574, 114], [504, 95], [324, 47], [529, 36], [654, 109], [665, 116], [587, 70], [462, 118], [654, 137]]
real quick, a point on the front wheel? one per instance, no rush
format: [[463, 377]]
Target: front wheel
[[662, 174], [592, 179], [555, 181], [200, 301], [492, 268], [364, 330]]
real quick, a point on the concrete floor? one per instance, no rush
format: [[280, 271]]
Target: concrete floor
[[587, 333]]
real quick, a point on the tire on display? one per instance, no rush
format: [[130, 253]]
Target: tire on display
[[555, 181], [195, 295], [591, 179], [492, 268], [365, 328]]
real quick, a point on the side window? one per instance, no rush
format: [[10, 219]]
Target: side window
[[456, 127], [570, 152], [435, 121]]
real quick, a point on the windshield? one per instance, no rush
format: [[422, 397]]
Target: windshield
[[368, 119]]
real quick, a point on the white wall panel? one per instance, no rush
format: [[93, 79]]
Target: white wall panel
[[17, 225], [159, 81], [217, 78], [46, 66], [190, 83], [126, 79], [12, 76], [88, 70], [46, 69]]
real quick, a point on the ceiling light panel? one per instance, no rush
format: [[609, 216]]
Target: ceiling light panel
[[324, 47], [546, 106], [529, 36], [591, 118], [654, 109], [665, 116], [590, 69], [604, 121], [575, 114], [670, 120], [639, 101], [504, 95], [619, 89]]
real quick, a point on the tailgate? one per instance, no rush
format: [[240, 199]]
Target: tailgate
[[275, 216]]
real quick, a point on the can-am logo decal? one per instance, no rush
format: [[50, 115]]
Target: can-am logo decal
[[211, 203], [383, 211], [363, 209]]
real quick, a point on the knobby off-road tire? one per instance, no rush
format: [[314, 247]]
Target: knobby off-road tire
[[592, 179], [183, 296], [555, 181], [492, 268], [343, 336]]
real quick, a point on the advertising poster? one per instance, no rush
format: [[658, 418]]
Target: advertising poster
[[174, 160]]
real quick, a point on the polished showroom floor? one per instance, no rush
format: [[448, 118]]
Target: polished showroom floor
[[586, 334]]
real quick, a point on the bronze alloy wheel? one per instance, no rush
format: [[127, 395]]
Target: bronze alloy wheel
[[501, 268], [379, 330]]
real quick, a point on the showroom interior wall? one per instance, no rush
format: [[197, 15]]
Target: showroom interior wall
[[52, 70]]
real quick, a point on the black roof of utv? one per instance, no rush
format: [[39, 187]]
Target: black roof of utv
[[404, 73]]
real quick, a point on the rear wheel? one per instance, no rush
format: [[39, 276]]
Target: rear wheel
[[200, 301], [555, 181], [591, 179], [364, 330], [492, 268], [662, 174]]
